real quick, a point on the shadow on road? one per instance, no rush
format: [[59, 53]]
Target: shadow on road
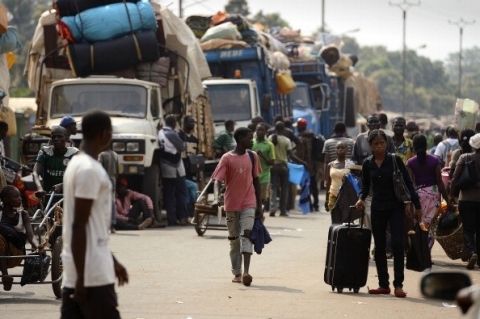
[[21, 298], [276, 288]]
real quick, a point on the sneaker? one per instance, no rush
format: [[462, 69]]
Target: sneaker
[[472, 261], [284, 214], [272, 214], [7, 282], [147, 222]]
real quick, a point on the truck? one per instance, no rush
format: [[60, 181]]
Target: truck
[[136, 108], [243, 86]]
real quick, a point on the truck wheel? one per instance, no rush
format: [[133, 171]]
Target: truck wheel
[[151, 187], [57, 267], [350, 113]]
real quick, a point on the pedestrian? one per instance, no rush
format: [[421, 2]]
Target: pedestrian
[[446, 147], [173, 173], [3, 134], [425, 172], [89, 267], [383, 124], [403, 145], [266, 153], [191, 145], [239, 170], [469, 202], [335, 172], [377, 176], [109, 161], [437, 138], [464, 147], [70, 125], [225, 141], [330, 146]]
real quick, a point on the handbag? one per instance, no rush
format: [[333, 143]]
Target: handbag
[[196, 163], [418, 255], [468, 176], [448, 220], [35, 268], [401, 191]]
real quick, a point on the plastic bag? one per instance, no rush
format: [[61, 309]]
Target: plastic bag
[[225, 30], [33, 267]]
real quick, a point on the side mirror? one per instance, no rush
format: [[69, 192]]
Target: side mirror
[[444, 285]]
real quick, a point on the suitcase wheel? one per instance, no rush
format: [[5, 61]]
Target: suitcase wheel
[[356, 290], [339, 290]]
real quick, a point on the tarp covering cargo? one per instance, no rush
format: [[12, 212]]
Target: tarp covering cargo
[[73, 7]]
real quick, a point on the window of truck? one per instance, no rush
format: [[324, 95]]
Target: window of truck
[[230, 102], [115, 99], [300, 96]]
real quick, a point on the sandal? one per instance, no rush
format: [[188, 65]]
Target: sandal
[[379, 291], [237, 279], [7, 282], [399, 293], [247, 280]]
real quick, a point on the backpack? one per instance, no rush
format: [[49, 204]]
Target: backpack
[[447, 153]]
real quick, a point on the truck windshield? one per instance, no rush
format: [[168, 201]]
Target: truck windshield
[[300, 96], [115, 99], [230, 102]]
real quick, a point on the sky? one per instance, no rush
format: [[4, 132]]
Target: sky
[[380, 23]]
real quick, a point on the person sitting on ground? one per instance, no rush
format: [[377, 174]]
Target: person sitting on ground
[[14, 227], [225, 142], [129, 205], [51, 162]]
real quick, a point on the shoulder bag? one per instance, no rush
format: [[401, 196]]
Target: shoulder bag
[[468, 176], [401, 190]]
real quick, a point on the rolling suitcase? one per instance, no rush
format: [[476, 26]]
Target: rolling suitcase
[[348, 253]]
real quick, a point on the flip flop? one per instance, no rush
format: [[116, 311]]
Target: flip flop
[[237, 279], [247, 280]]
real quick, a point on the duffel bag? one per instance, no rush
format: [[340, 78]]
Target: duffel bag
[[72, 7]]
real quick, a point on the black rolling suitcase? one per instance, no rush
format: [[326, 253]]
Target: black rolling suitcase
[[348, 252]]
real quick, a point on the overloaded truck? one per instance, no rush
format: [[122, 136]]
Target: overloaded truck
[[136, 104]]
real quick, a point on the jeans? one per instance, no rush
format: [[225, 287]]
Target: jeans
[[138, 207], [279, 179], [470, 214], [237, 223], [380, 220], [175, 196], [101, 303]]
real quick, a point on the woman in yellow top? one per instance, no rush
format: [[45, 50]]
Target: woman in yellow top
[[334, 175]]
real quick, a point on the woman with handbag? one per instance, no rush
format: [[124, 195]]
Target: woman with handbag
[[425, 172], [466, 179], [381, 172]]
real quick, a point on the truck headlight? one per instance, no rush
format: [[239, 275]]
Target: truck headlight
[[118, 146], [133, 147]]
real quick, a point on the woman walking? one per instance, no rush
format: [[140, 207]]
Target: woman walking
[[377, 173], [469, 202], [425, 172]]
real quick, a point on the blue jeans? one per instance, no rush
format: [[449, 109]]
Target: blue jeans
[[380, 220], [175, 197], [279, 179], [237, 223]]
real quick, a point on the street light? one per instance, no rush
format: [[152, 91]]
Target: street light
[[404, 6], [460, 24]]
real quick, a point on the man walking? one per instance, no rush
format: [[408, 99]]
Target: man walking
[[89, 268], [173, 173], [239, 170], [266, 153]]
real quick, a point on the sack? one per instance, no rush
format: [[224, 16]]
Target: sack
[[34, 267], [448, 220], [468, 176], [196, 163], [401, 190], [418, 255]]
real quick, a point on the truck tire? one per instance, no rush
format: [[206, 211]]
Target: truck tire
[[350, 113], [152, 188]]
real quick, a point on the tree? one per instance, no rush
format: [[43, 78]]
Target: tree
[[238, 7], [470, 72], [269, 20]]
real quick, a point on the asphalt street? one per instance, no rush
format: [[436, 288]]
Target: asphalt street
[[174, 273]]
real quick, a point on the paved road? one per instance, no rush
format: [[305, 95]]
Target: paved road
[[176, 274]]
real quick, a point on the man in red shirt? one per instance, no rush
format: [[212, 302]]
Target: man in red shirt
[[242, 200], [129, 205]]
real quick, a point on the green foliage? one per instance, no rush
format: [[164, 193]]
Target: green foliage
[[238, 7], [269, 20], [470, 72]]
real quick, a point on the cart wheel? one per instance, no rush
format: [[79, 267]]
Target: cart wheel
[[57, 266], [356, 290], [201, 225], [339, 290]]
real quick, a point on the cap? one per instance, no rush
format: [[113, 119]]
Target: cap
[[475, 141], [301, 122], [66, 121], [123, 181]]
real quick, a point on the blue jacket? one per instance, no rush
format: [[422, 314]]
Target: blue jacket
[[259, 236]]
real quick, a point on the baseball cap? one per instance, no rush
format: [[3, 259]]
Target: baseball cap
[[475, 141], [301, 122], [66, 121]]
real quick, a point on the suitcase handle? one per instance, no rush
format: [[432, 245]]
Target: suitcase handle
[[350, 214]]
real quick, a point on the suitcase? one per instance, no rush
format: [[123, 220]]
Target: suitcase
[[348, 252]]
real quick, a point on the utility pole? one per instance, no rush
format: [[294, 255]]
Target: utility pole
[[461, 24], [180, 9], [404, 6], [323, 16]]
